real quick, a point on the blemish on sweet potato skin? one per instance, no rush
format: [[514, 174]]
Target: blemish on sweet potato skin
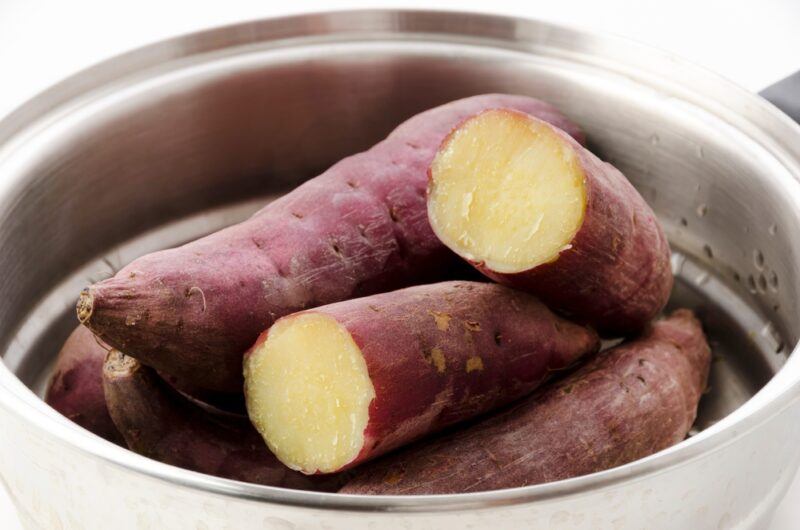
[[393, 477], [442, 320], [474, 364], [438, 360], [472, 325]]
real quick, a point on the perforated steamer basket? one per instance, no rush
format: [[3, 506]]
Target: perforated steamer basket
[[180, 138]]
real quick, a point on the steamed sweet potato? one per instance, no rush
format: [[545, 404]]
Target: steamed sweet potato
[[359, 228], [334, 386], [533, 209], [627, 403], [76, 386], [158, 422]]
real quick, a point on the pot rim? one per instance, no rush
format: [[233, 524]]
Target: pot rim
[[765, 124]]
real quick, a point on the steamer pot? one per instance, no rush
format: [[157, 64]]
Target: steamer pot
[[174, 140]]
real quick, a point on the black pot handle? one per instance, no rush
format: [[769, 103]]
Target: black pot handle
[[785, 95]]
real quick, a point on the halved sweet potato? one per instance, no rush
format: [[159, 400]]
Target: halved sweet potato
[[533, 209], [338, 385]]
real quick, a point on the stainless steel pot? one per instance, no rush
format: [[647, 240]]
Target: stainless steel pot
[[174, 140]]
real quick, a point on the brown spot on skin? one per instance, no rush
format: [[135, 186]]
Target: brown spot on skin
[[298, 215], [131, 320], [436, 358], [472, 325], [497, 337], [567, 389], [132, 275], [375, 308], [474, 363], [336, 249], [640, 378], [393, 214], [393, 477], [442, 320], [352, 184]]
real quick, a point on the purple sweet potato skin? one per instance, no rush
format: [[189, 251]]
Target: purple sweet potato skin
[[359, 228], [626, 403], [442, 353], [76, 387], [616, 274], [158, 422]]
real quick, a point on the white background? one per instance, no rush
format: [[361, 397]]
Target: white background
[[752, 42]]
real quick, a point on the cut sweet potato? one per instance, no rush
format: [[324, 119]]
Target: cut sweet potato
[[359, 228], [627, 403], [338, 385], [534, 210], [158, 422]]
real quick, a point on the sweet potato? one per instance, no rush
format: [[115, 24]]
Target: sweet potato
[[627, 403], [76, 386], [534, 210], [334, 386], [359, 228], [158, 422]]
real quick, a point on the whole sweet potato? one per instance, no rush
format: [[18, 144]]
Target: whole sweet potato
[[533, 209], [340, 384], [359, 228], [627, 403], [158, 422]]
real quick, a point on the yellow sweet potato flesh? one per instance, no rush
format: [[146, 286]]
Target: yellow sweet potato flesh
[[506, 191], [308, 393]]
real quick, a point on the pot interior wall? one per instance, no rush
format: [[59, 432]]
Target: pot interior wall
[[169, 154]]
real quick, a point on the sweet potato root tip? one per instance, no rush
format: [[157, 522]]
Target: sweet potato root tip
[[338, 385], [85, 306], [118, 364], [532, 209]]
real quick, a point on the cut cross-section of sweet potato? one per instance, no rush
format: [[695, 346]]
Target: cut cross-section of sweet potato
[[508, 191], [310, 391], [533, 209]]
